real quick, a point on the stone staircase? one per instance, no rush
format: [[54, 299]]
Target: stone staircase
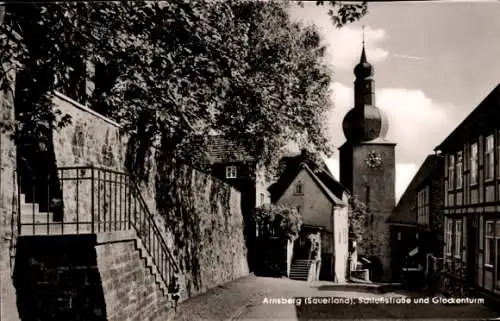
[[300, 270], [33, 222], [36, 223], [151, 266]]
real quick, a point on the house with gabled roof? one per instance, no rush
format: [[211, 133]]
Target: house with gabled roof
[[323, 204], [471, 197], [416, 224]]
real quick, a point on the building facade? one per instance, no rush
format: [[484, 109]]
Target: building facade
[[323, 205], [472, 201], [417, 221], [228, 161], [367, 167]]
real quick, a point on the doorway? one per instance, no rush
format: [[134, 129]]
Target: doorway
[[471, 251], [302, 247]]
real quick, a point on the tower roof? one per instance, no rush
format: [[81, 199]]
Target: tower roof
[[364, 122], [363, 69]]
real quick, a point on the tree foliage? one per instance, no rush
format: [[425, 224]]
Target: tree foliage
[[315, 250], [358, 218], [342, 13], [278, 220], [178, 70]]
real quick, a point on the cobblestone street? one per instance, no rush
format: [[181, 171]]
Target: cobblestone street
[[245, 299]]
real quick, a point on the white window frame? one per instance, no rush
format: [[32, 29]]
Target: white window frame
[[427, 209], [298, 189], [496, 260], [418, 210], [449, 236], [488, 261], [451, 172], [474, 166], [459, 170], [458, 238], [489, 158], [423, 206], [231, 171]]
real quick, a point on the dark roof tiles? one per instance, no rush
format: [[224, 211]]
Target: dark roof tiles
[[405, 210], [221, 149]]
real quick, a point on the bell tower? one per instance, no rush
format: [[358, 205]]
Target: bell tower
[[367, 168]]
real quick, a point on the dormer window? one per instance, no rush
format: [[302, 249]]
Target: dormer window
[[299, 188], [231, 171]]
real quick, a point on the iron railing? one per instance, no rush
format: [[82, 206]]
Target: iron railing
[[89, 200]]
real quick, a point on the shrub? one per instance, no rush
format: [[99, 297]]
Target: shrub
[[278, 221]]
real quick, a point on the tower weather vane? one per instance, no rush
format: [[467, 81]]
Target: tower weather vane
[[363, 28]]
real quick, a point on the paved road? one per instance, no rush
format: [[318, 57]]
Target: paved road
[[255, 298]]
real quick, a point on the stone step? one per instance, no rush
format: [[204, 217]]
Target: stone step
[[41, 229], [151, 265], [29, 208], [36, 218], [301, 266], [54, 229]]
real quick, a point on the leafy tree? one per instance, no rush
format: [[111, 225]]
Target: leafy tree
[[181, 69], [278, 220], [358, 218], [342, 13], [284, 92]]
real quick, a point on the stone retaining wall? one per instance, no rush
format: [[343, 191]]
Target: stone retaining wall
[[199, 215], [8, 221], [57, 278], [130, 291]]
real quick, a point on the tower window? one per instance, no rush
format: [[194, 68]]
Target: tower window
[[231, 171], [299, 188]]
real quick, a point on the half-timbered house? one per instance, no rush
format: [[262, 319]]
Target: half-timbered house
[[472, 201]]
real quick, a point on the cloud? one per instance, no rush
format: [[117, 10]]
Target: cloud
[[404, 175], [417, 124], [344, 45], [409, 57]]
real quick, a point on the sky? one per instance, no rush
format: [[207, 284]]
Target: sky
[[434, 63]]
